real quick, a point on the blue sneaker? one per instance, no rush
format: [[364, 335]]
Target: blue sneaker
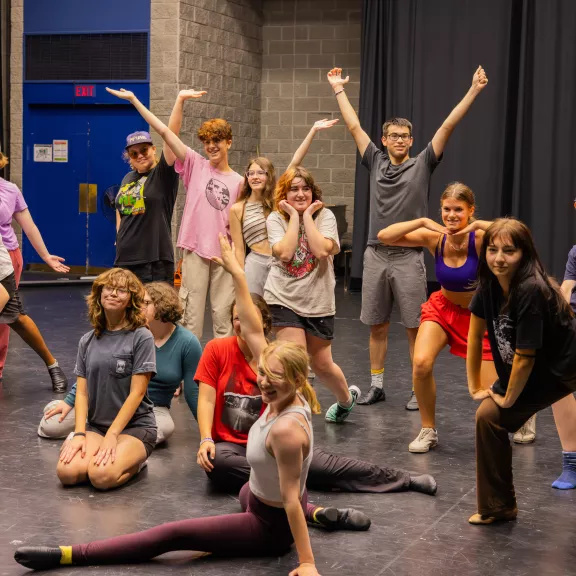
[[336, 413]]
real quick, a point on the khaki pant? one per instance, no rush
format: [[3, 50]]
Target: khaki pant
[[198, 276]]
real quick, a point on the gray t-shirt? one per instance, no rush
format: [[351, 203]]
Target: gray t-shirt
[[108, 364], [397, 193], [305, 284]]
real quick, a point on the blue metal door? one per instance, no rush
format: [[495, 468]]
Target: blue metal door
[[65, 198]]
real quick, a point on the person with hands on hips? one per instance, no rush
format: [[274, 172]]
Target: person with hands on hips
[[115, 428], [532, 333]]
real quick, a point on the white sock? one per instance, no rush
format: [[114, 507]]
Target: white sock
[[53, 365], [348, 403], [377, 378]]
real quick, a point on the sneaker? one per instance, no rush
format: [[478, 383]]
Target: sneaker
[[337, 413], [526, 434], [142, 466], [428, 438], [311, 375], [59, 380], [341, 519], [412, 403], [373, 395]]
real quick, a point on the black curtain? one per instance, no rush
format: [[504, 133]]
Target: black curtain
[[516, 146]]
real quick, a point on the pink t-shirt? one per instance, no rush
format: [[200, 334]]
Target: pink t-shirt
[[11, 201], [209, 195]]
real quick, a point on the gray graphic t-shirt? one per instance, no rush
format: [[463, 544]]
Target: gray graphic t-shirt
[[108, 364]]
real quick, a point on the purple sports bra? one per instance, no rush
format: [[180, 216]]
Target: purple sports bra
[[459, 279]]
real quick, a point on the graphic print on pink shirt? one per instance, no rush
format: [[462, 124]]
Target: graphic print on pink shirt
[[303, 262], [217, 194]]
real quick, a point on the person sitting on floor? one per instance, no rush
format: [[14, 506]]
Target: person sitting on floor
[[115, 429], [177, 354]]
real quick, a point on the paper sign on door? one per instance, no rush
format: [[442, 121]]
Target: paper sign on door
[[60, 150]]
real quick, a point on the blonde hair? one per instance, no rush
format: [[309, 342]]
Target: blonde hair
[[295, 362], [3, 161], [116, 277]]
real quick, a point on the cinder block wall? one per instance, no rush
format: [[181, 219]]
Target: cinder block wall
[[213, 45], [302, 40]]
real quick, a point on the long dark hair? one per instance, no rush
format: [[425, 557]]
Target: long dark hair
[[531, 267]]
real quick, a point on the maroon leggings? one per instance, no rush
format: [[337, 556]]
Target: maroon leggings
[[259, 530]]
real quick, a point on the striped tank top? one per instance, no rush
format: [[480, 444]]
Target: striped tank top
[[254, 223]]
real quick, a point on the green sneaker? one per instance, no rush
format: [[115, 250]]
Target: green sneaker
[[336, 413]]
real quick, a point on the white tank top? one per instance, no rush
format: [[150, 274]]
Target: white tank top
[[264, 478]]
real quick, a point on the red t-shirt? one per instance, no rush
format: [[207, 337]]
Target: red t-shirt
[[238, 398]]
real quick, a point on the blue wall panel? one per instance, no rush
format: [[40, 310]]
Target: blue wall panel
[[75, 16]]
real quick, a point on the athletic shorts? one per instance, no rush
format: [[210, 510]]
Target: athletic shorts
[[159, 271], [319, 326], [392, 274], [13, 308], [146, 435], [455, 321]]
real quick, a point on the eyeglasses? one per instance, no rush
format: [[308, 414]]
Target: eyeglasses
[[404, 137], [135, 153], [122, 292], [259, 173]]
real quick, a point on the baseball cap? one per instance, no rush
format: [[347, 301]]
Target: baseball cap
[[138, 138]]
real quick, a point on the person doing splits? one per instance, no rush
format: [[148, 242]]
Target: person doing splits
[[532, 332], [445, 316], [115, 428]]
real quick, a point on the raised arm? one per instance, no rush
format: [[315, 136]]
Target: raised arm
[[24, 219], [303, 148], [250, 319], [175, 121], [174, 143], [348, 113], [422, 232], [479, 82], [286, 248]]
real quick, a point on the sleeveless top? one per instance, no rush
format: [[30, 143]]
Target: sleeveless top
[[264, 477], [459, 279], [254, 223]]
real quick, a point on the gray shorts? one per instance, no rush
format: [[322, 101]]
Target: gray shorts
[[256, 268], [393, 274]]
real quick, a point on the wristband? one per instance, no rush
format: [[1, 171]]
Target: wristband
[[206, 440], [79, 434], [525, 355], [339, 92]]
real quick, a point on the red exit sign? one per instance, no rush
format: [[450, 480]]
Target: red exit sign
[[84, 90]]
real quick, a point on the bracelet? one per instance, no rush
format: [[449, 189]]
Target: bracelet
[[206, 440], [339, 92], [525, 355], [79, 434]]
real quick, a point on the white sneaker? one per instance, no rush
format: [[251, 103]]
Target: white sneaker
[[428, 438], [526, 434]]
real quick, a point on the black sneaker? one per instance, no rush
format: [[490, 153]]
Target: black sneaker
[[59, 380], [38, 557], [342, 519], [374, 395]]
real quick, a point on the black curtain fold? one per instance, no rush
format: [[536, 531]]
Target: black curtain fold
[[515, 148]]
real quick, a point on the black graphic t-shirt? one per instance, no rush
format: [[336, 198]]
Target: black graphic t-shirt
[[146, 203], [529, 322]]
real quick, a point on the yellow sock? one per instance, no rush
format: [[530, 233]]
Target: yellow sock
[[66, 554], [381, 371]]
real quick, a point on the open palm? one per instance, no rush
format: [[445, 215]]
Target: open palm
[[324, 123], [186, 94], [123, 94]]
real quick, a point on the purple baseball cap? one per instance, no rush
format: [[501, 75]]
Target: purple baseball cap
[[138, 138]]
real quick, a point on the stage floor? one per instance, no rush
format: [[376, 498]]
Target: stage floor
[[411, 534]]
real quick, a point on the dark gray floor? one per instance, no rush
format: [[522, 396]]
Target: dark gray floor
[[411, 534]]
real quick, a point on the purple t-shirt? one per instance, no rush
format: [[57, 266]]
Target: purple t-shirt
[[570, 274], [11, 201], [209, 195]]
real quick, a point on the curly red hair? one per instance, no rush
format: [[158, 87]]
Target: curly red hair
[[215, 129]]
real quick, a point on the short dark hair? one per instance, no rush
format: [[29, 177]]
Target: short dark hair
[[260, 303], [166, 302], [396, 122]]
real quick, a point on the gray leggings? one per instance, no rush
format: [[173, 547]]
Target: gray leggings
[[52, 428]]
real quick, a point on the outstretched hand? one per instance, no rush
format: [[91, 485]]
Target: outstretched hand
[[122, 94], [55, 262], [335, 78], [187, 94], [323, 124], [228, 260], [479, 80]]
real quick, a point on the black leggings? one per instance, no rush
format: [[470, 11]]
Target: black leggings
[[259, 530], [328, 472]]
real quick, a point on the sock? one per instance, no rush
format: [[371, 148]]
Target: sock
[[348, 404], [66, 554], [55, 365], [567, 480], [377, 378]]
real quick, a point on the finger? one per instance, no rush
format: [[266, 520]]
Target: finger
[[212, 452], [113, 455], [61, 418], [50, 413]]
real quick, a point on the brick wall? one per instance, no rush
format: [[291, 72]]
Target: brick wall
[[302, 40], [213, 45]]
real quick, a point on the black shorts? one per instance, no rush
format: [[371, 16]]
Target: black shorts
[[146, 435], [319, 326], [159, 271], [13, 308]]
